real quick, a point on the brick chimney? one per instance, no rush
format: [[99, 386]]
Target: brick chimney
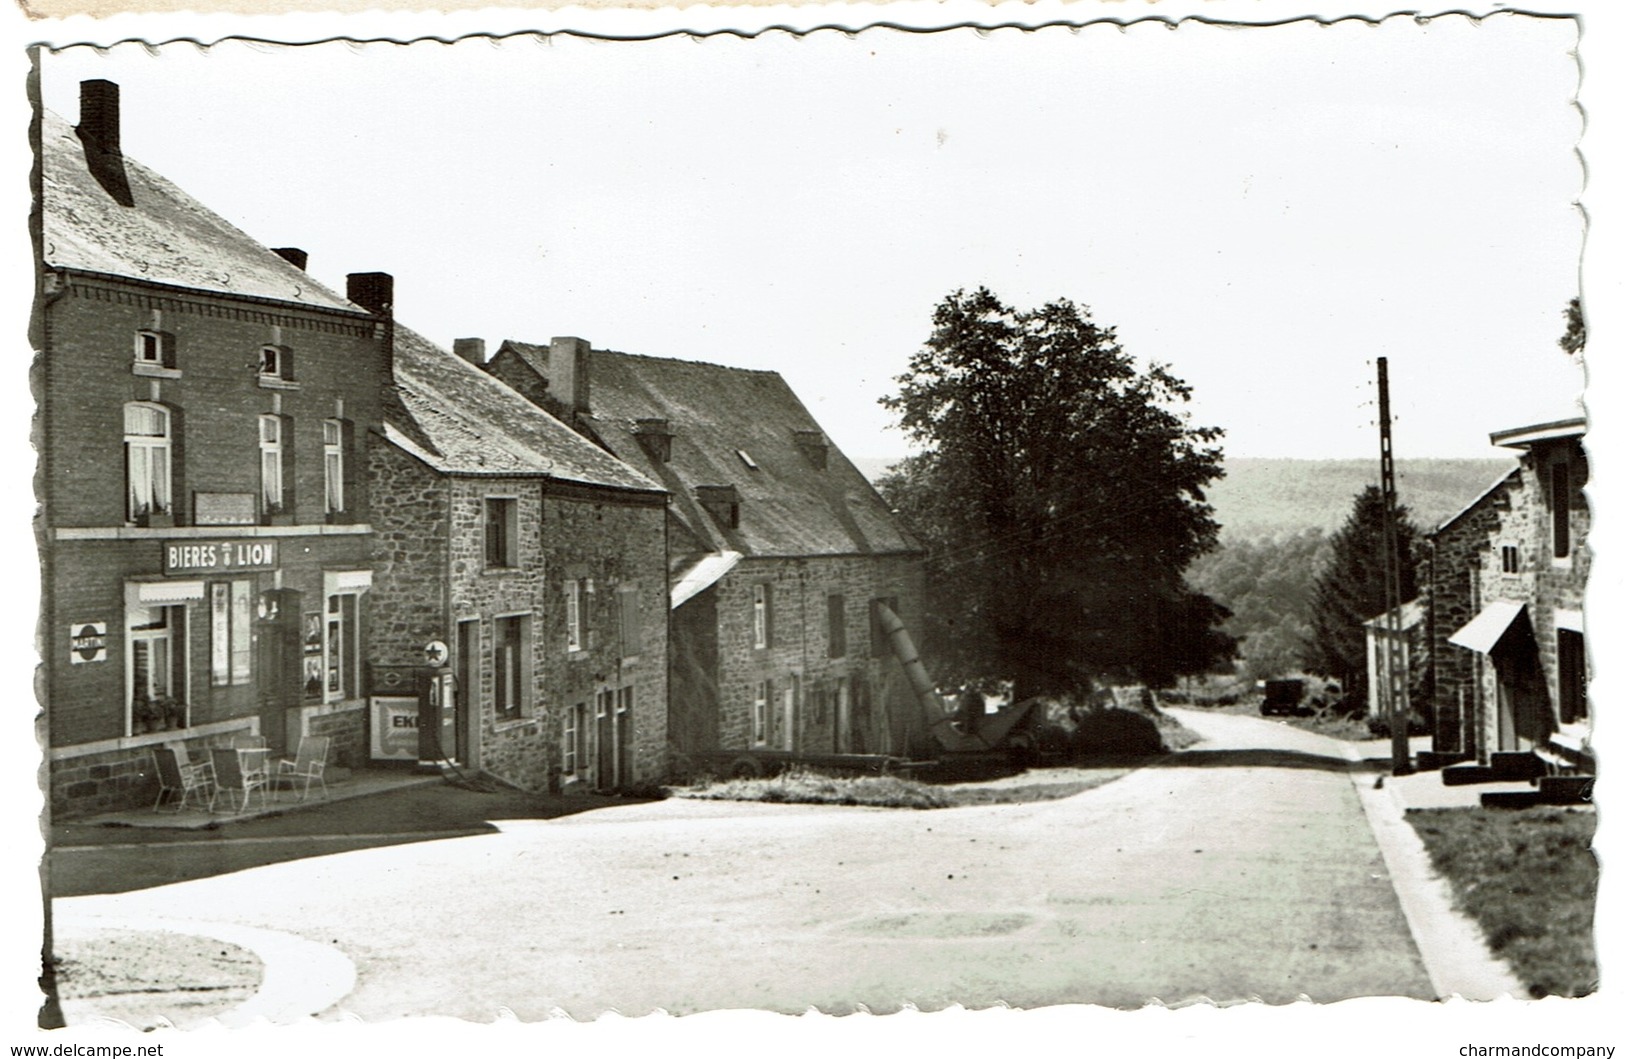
[[373, 291], [99, 131], [470, 349], [98, 114], [567, 377], [292, 255], [813, 446]]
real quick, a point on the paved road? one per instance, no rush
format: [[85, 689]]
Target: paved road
[[1243, 869]]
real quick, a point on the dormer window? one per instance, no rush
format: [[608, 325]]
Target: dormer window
[[721, 502], [655, 436]]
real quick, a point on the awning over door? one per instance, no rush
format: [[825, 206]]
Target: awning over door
[[1488, 627]]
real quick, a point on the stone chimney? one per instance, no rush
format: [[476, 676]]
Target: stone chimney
[[373, 291], [721, 502], [99, 132], [470, 349], [292, 255], [655, 436], [567, 378], [98, 115], [814, 446]]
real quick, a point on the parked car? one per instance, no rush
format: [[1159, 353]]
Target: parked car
[[1283, 697]]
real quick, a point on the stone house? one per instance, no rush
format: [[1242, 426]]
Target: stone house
[[1453, 592], [538, 559], [205, 410], [779, 550], [1528, 632]]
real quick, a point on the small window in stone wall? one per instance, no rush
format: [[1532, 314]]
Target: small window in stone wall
[[510, 668], [1509, 558], [837, 625], [761, 604], [501, 532], [1571, 676]]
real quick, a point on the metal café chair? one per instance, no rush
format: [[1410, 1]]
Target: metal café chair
[[233, 778], [174, 778], [308, 765]]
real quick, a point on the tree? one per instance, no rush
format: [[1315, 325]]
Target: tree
[[1349, 592], [1574, 331], [1060, 495]]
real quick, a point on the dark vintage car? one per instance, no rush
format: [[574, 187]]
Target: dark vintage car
[[1283, 697]]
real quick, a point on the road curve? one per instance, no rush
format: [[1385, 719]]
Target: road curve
[[1242, 869]]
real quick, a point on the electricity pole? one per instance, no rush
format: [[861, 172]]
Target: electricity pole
[[1391, 650]]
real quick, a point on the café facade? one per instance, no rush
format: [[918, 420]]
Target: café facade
[[205, 409]]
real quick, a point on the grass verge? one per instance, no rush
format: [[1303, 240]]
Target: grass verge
[[894, 792], [1530, 880]]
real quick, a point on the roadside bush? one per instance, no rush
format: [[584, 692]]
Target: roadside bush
[[1116, 733]]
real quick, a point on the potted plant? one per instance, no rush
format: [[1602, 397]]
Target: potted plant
[[174, 712], [278, 515], [145, 714]]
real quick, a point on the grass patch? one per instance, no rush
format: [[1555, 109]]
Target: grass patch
[[894, 792], [1530, 880]]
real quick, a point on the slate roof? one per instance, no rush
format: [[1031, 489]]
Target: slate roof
[[164, 236], [463, 421], [787, 506]]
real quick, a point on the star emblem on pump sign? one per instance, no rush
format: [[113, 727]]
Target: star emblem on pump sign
[[89, 639]]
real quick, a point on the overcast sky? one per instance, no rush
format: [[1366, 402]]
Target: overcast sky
[[1265, 209]]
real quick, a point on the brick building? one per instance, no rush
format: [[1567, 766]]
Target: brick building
[[778, 549], [538, 559], [1529, 565], [204, 414]]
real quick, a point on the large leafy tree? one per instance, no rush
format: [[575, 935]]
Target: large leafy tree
[[1349, 591], [1060, 491]]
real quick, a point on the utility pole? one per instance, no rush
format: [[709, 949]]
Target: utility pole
[[1391, 650]]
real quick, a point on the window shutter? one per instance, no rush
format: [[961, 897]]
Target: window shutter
[[767, 617], [631, 621]]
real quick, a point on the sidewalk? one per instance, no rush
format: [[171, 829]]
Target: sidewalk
[[358, 784]]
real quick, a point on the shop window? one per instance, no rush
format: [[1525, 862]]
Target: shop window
[[879, 639], [510, 667], [156, 641], [231, 638], [761, 604], [343, 647], [501, 532], [272, 495], [837, 625], [148, 446], [1571, 676], [1560, 511], [333, 460]]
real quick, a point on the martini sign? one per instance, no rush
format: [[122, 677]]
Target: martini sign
[[218, 557]]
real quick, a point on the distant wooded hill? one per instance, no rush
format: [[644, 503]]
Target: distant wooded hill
[[1269, 497]]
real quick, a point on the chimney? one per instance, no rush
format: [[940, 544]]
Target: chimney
[[721, 502], [292, 255], [655, 436], [470, 349], [98, 131], [567, 373], [373, 291], [98, 114], [813, 446]]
